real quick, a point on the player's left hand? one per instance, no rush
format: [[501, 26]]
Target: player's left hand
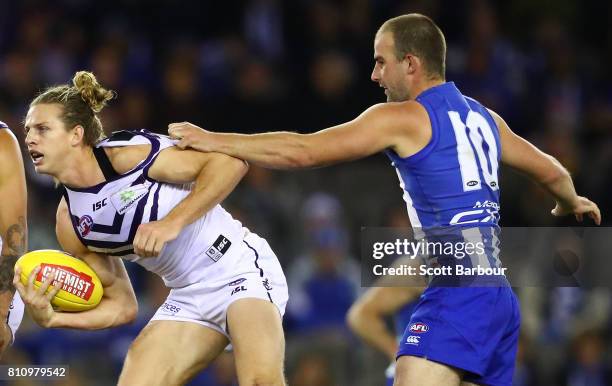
[[580, 207], [37, 300], [151, 237], [191, 136]]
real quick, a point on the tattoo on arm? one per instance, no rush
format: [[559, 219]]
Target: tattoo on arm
[[16, 244], [16, 237]]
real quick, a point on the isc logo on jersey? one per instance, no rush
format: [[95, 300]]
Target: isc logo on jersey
[[218, 248], [418, 328]]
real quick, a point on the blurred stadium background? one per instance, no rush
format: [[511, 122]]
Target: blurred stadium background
[[259, 65]]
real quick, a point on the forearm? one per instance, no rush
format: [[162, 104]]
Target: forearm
[[280, 150], [15, 245], [559, 184], [373, 331], [107, 314], [211, 187]]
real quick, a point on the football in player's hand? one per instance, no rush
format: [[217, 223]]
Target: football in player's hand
[[80, 286]]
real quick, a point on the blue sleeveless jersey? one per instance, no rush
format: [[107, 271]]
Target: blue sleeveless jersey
[[454, 179], [452, 184]]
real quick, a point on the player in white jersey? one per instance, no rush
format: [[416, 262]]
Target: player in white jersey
[[13, 230], [134, 195]]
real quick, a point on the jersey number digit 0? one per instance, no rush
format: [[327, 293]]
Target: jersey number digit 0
[[475, 139]]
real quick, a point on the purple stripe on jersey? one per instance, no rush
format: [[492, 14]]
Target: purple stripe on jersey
[[154, 208], [114, 229]]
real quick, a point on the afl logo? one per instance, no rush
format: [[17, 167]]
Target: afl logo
[[418, 328], [85, 224]]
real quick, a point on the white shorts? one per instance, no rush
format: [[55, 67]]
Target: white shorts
[[15, 314], [257, 274]]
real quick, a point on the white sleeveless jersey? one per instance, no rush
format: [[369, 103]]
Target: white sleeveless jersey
[[106, 217]]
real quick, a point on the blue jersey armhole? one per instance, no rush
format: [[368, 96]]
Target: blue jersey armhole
[[433, 141]]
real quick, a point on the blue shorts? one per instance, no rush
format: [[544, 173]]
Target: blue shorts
[[475, 329]]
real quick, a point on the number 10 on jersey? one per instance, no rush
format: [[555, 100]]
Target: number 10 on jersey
[[475, 146]]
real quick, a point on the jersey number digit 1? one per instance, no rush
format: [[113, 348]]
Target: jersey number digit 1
[[475, 139]]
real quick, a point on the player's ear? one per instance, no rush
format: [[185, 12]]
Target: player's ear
[[78, 133], [411, 63]]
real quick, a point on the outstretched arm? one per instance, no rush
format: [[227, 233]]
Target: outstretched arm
[[118, 305], [13, 227], [545, 170], [382, 126], [215, 176]]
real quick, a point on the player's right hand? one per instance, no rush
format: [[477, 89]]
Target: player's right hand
[[579, 208], [37, 300], [191, 136]]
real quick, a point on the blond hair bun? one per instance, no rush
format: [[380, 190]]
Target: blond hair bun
[[91, 91]]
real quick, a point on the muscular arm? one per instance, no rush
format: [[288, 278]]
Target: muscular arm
[[13, 227], [545, 170], [118, 305], [214, 175], [383, 126], [366, 317]]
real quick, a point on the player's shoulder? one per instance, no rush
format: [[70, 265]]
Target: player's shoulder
[[9, 146], [126, 148], [3, 125], [405, 114]]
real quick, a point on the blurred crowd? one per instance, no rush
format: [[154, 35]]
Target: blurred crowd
[[260, 65]]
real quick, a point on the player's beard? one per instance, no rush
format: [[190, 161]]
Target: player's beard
[[397, 95]]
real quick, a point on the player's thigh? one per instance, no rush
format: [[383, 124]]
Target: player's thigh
[[256, 330], [416, 371], [168, 352]]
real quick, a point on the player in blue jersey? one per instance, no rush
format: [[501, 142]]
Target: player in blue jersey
[[13, 232], [446, 149]]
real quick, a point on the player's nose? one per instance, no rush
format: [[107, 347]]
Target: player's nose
[[375, 76]]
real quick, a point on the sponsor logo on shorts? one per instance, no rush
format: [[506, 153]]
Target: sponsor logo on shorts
[[267, 285], [219, 247], [238, 289], [169, 308], [418, 328], [413, 339], [237, 281], [85, 224]]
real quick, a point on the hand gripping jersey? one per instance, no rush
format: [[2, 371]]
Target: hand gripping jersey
[[105, 217]]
